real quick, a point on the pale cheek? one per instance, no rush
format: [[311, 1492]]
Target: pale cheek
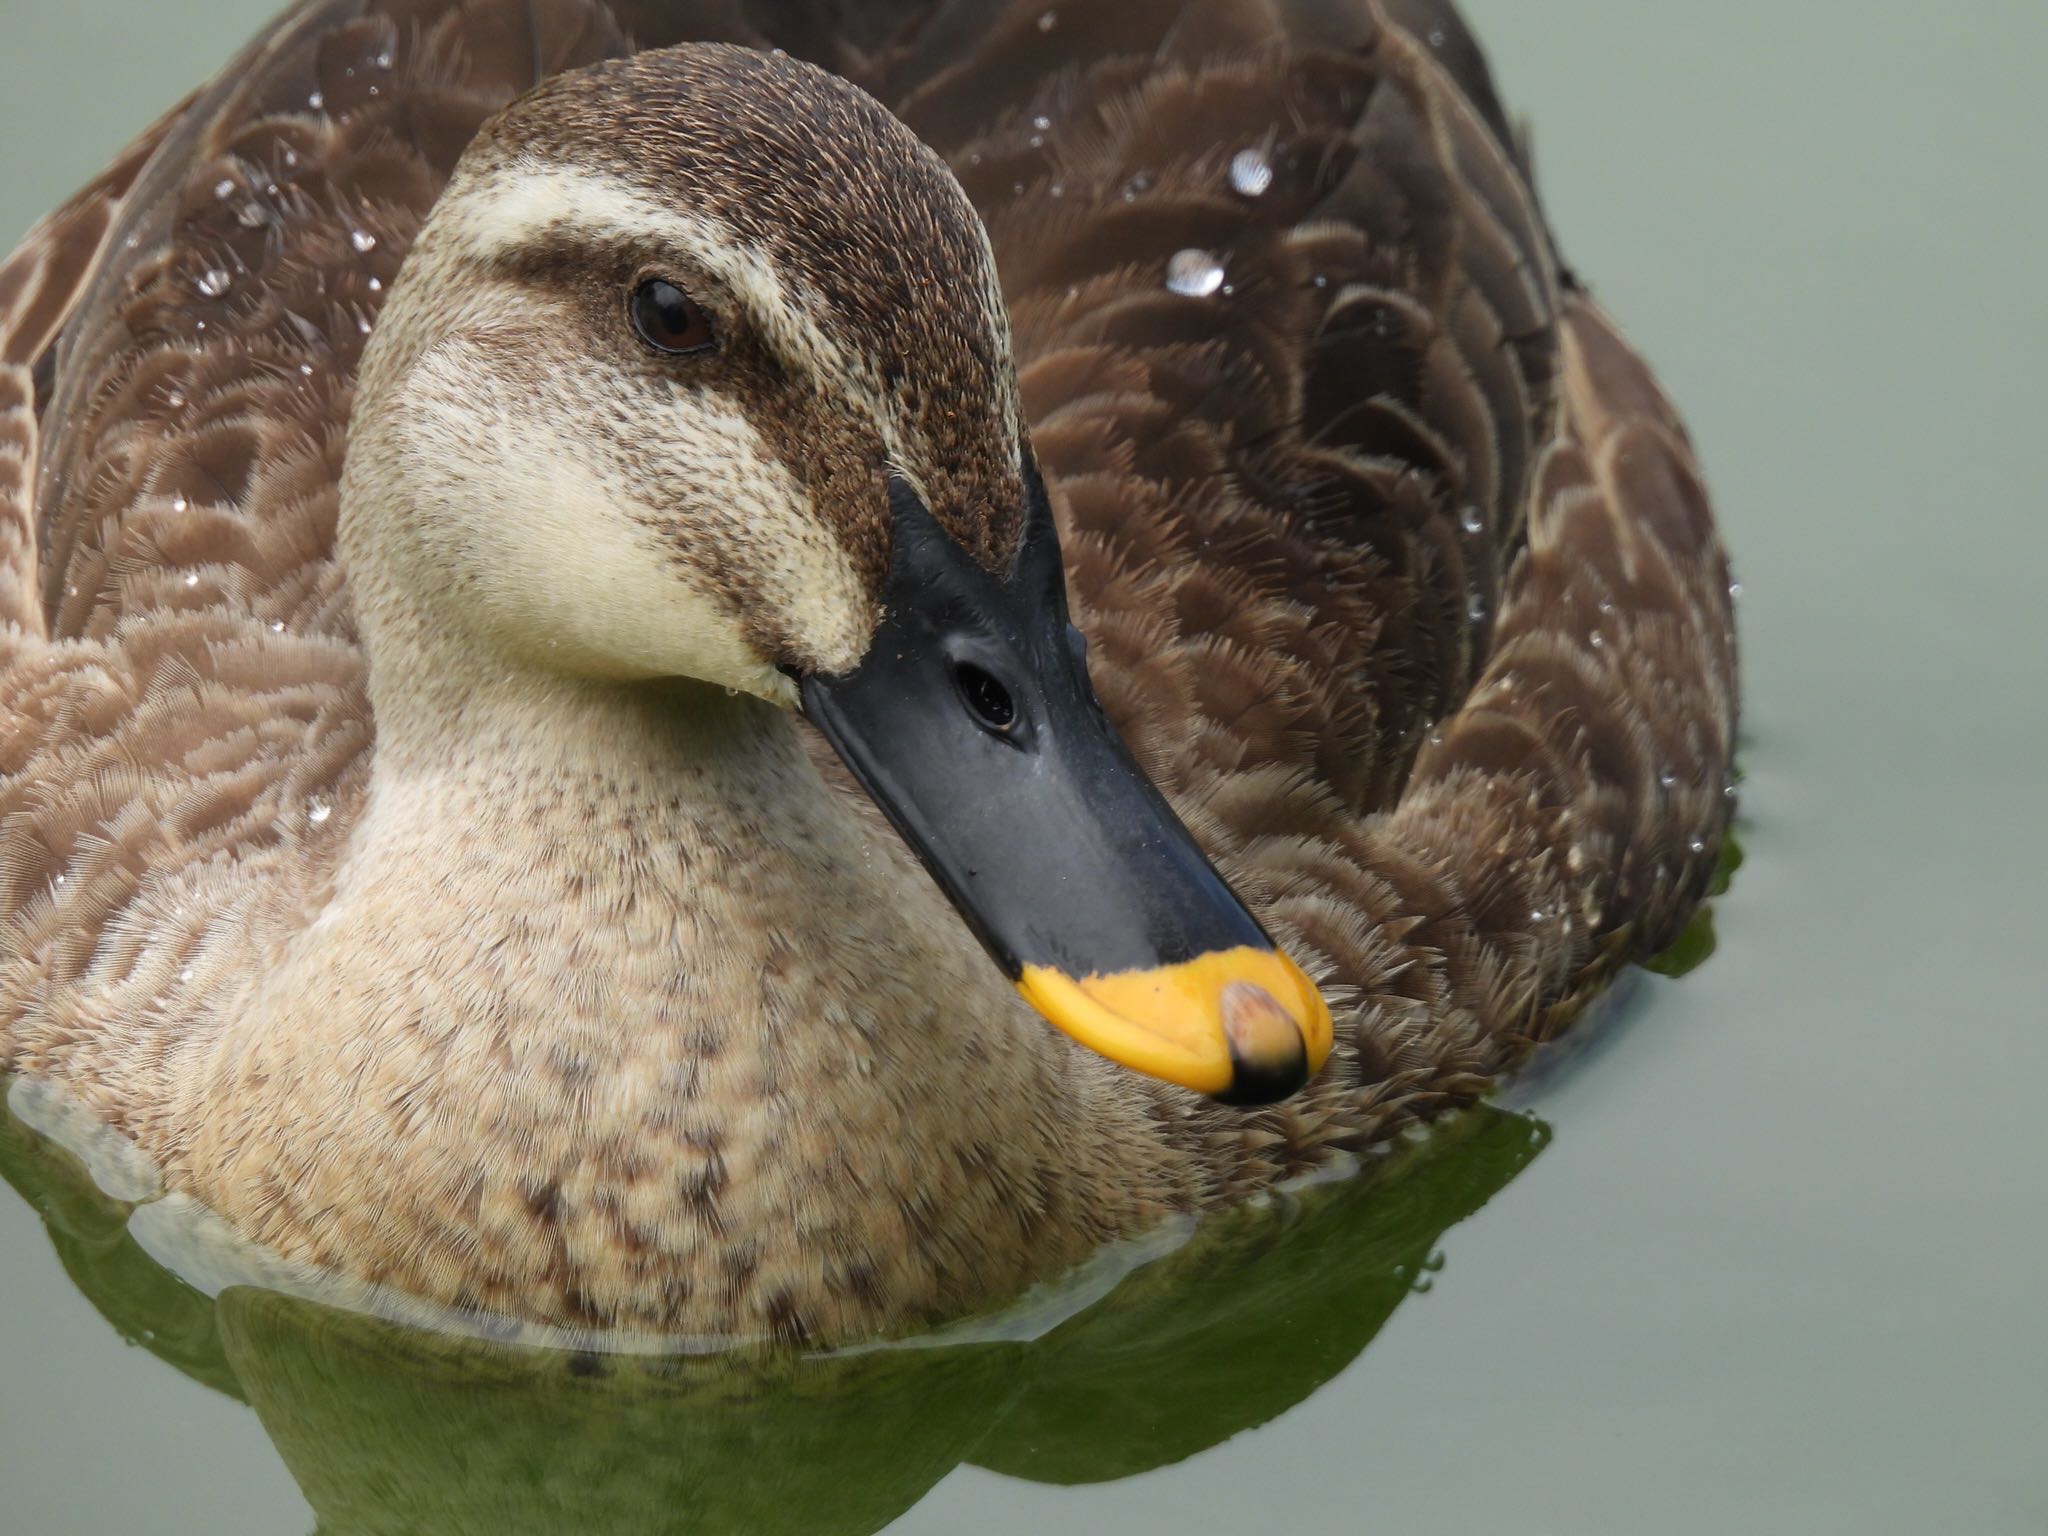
[[639, 552], [728, 507]]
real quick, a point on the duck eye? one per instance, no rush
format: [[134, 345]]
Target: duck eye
[[988, 699], [668, 320]]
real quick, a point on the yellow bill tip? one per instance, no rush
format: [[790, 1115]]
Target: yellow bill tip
[[1244, 1025]]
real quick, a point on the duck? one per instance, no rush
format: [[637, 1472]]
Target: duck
[[764, 670]]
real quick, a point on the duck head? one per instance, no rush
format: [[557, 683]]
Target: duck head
[[700, 369]]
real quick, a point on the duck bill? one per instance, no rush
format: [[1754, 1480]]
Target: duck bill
[[972, 723]]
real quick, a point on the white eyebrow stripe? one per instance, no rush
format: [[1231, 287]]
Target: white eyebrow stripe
[[517, 206]]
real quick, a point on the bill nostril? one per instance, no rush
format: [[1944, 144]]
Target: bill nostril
[[986, 697]]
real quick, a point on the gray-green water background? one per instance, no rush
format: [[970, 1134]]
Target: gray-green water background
[[1780, 1269]]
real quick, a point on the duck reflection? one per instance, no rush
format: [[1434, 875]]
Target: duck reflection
[[390, 1429]]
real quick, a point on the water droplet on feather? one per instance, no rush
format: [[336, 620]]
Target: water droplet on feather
[[1198, 274], [1251, 173]]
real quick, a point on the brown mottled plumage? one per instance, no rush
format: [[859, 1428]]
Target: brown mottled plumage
[[587, 1001]]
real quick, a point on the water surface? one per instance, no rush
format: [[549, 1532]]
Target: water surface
[[1778, 1267]]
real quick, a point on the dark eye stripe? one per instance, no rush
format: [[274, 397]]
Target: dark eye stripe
[[668, 319]]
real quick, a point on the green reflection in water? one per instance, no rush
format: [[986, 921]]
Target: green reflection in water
[[1697, 944], [391, 1430]]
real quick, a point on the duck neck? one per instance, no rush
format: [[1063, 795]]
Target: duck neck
[[617, 953]]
